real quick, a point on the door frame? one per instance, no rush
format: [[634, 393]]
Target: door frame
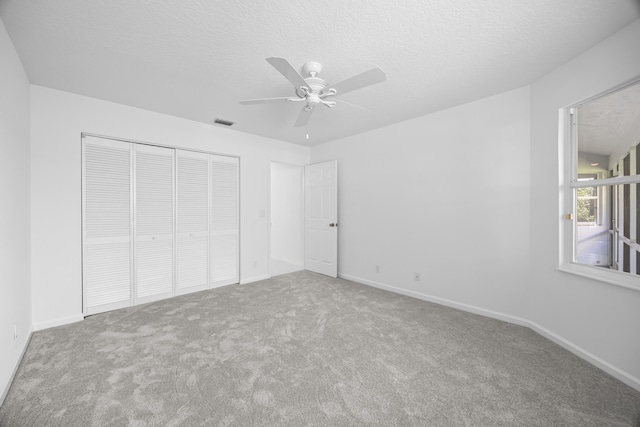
[[270, 207]]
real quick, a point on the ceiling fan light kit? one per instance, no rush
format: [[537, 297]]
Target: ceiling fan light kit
[[312, 90]]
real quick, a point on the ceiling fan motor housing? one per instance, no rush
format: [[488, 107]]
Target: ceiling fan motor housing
[[316, 84]]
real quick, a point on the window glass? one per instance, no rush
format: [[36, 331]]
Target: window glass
[[587, 201], [607, 127], [605, 184]]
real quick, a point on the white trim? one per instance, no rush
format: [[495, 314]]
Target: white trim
[[225, 282], [153, 298], [600, 274], [222, 284], [15, 369], [254, 279], [607, 367], [442, 301], [83, 220], [38, 326], [295, 264], [601, 182], [154, 144], [191, 289], [107, 307]]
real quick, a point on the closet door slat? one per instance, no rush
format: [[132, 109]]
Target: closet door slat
[[224, 220], [192, 194], [106, 191], [154, 216]]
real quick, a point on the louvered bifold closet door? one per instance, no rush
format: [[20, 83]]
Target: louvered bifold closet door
[[154, 216], [106, 196], [192, 194], [224, 220]]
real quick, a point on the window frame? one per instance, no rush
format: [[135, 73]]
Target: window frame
[[568, 183]]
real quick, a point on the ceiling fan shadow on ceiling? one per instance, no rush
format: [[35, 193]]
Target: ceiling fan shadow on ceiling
[[313, 91]]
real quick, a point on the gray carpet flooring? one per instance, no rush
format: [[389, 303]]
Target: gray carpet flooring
[[306, 350]]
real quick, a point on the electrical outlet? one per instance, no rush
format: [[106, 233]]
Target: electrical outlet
[[377, 268], [416, 277]]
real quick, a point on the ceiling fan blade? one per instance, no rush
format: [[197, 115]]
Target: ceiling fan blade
[[371, 77], [339, 101], [303, 118], [290, 73], [264, 100]]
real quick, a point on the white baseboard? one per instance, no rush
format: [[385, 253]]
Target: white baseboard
[[442, 301], [254, 279], [615, 372], [15, 369], [222, 284], [38, 326], [294, 263]]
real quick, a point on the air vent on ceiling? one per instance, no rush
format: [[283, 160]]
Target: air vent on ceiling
[[223, 122]]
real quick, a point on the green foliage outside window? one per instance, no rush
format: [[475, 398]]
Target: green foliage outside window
[[587, 201]]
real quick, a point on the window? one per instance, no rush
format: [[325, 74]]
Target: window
[[603, 190], [588, 201]]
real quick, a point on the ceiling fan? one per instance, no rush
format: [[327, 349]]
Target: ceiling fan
[[313, 90]]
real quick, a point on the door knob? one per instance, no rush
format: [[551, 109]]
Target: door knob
[[333, 225]]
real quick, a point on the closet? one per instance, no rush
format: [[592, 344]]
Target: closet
[[157, 222]]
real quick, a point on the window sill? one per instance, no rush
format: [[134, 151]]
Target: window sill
[[624, 280]]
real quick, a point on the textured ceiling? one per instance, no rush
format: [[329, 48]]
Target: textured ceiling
[[610, 124], [197, 59]]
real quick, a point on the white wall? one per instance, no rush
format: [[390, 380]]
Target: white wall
[[287, 213], [445, 195], [57, 120], [597, 318], [15, 293]]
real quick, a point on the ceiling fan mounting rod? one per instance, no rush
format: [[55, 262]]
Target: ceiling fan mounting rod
[[311, 68]]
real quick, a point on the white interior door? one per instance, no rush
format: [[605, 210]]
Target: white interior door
[[106, 192], [224, 220], [321, 218], [154, 217], [192, 221]]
